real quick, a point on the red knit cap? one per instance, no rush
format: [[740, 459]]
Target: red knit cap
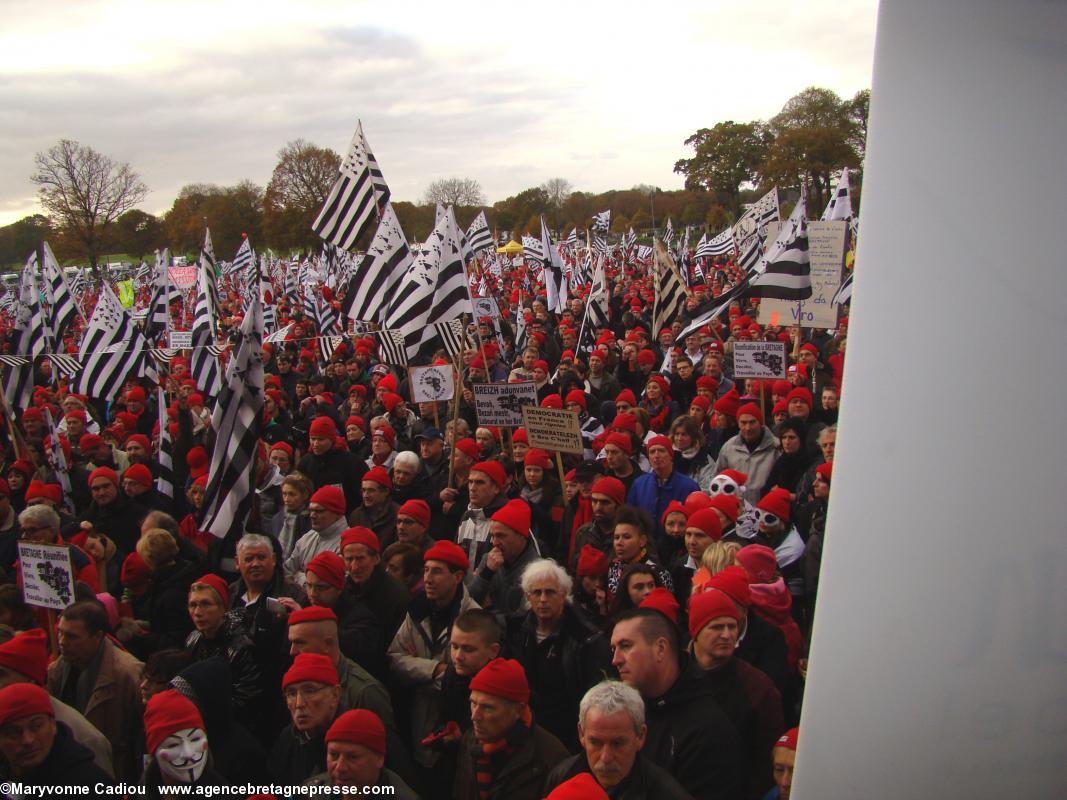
[[537, 458], [104, 472], [361, 535], [357, 421], [48, 491], [503, 677], [167, 713], [386, 432], [659, 441], [391, 400], [701, 402], [624, 422], [708, 382], [582, 786], [696, 501], [418, 510], [626, 396], [612, 488], [135, 573], [494, 470], [197, 460], [520, 437], [329, 567], [312, 614], [782, 388], [311, 667], [141, 439], [621, 441], [592, 562], [331, 498], [662, 601], [788, 740], [388, 382], [448, 553], [285, 447], [359, 726], [810, 348], [469, 448], [733, 581], [323, 428], [646, 357], [138, 473], [379, 475], [781, 407], [759, 562], [21, 700], [825, 470], [728, 404], [706, 520], [516, 515], [802, 394], [89, 441], [707, 606], [674, 507], [576, 396], [751, 409], [218, 584], [552, 401], [27, 653], [728, 504], [776, 502]]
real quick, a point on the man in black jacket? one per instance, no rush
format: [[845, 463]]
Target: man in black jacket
[[313, 695], [612, 730], [327, 464], [688, 734]]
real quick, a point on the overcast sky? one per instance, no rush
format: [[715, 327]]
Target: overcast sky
[[602, 94]]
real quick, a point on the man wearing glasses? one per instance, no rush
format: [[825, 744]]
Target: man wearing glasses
[[327, 511], [312, 695]]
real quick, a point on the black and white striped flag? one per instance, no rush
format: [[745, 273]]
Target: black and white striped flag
[[629, 241], [79, 283], [602, 221], [393, 347], [844, 291], [785, 272], [721, 244], [840, 205], [236, 420], [32, 334], [555, 281], [66, 366], [374, 282], [668, 235], [453, 335], [479, 236], [597, 305], [243, 260], [669, 290], [61, 309], [157, 321], [203, 366], [354, 200], [57, 460], [165, 456], [112, 349], [600, 245], [329, 327], [702, 247], [572, 239], [531, 250]]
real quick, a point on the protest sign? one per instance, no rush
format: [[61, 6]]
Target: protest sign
[[47, 575], [183, 277], [553, 429], [485, 307], [826, 246], [759, 360], [180, 339], [501, 404], [431, 384]]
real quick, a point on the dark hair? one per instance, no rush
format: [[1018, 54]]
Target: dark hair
[[21, 614], [164, 664], [480, 621], [411, 557], [90, 613], [622, 601], [165, 521], [689, 425], [653, 625], [630, 515]]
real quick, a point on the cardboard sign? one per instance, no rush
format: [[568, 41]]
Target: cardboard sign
[[47, 575], [826, 246], [759, 360], [183, 277], [485, 307], [553, 429], [501, 404], [180, 339], [431, 384]]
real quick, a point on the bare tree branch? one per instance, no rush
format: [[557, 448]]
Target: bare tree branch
[[455, 192]]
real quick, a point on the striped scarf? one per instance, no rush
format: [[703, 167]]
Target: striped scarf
[[490, 757]]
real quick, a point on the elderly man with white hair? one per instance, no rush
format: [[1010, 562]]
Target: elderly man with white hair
[[562, 651], [612, 730], [409, 478]]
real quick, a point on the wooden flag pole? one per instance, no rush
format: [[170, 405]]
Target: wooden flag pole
[[559, 466], [455, 417]]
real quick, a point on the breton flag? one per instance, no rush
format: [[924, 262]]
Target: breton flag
[[840, 205], [629, 241], [844, 291], [58, 300], [531, 250], [669, 290], [57, 459], [255, 283], [355, 197], [702, 247], [243, 259], [393, 348], [207, 264], [157, 321], [597, 307], [721, 244], [478, 235], [31, 330], [112, 349], [329, 326], [237, 420], [572, 239], [165, 457], [668, 236], [785, 272], [555, 281], [602, 221], [453, 337], [374, 282], [203, 365]]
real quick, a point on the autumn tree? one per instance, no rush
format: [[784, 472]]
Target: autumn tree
[[138, 234], [84, 192], [726, 156], [455, 192], [228, 212], [297, 190]]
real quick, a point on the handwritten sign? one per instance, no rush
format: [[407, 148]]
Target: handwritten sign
[[180, 339], [826, 245], [553, 429], [183, 277], [47, 575], [431, 384], [501, 404], [759, 360]]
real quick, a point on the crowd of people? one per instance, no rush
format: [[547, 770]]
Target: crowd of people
[[418, 602]]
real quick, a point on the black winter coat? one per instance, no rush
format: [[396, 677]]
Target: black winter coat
[[646, 781], [337, 467], [240, 653]]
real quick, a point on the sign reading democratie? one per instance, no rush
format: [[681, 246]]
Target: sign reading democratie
[[47, 575], [759, 360], [553, 429], [501, 404]]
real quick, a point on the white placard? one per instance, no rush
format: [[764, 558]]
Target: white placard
[[485, 307], [180, 339], [556, 429], [826, 246], [501, 403], [759, 360], [183, 277], [431, 384], [47, 575]]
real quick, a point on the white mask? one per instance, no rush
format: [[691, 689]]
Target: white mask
[[183, 755], [721, 484]]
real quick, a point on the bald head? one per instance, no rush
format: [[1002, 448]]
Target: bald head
[[319, 637]]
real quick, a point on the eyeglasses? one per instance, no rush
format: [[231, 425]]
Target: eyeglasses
[[765, 517], [306, 692], [535, 593]]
